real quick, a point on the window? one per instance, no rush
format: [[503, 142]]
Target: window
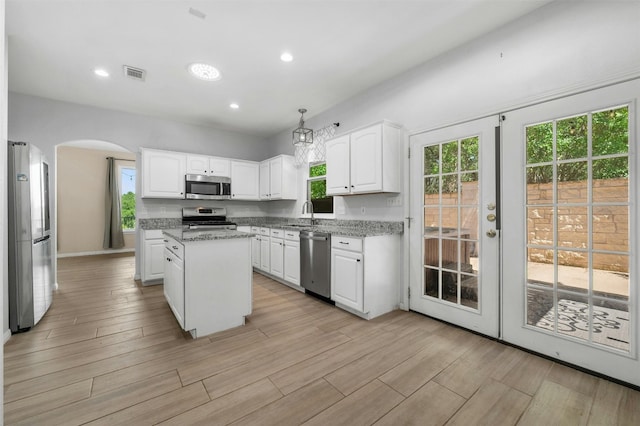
[[317, 188], [128, 198]]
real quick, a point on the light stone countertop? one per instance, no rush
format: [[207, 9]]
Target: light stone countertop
[[186, 236]]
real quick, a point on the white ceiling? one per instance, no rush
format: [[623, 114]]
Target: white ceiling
[[340, 48]]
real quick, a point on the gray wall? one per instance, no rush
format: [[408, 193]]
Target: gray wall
[[557, 49]]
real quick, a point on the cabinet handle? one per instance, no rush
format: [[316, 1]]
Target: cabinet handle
[[357, 260], [166, 241], [352, 186], [346, 187], [168, 259], [175, 247], [343, 242]]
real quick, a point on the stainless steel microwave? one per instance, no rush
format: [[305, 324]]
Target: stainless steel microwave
[[203, 187]]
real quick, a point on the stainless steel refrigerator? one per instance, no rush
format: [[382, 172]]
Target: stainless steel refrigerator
[[31, 278]]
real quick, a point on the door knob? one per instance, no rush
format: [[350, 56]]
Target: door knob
[[491, 233], [491, 206], [491, 217]]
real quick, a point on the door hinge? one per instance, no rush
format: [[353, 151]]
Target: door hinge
[[408, 152], [409, 219], [409, 293]]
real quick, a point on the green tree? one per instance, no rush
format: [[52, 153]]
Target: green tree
[[128, 210], [609, 136]]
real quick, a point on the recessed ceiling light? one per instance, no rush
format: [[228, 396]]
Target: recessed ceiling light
[[101, 72], [204, 72], [234, 106], [286, 57]]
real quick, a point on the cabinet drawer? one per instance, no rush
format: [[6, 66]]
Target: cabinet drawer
[[153, 234], [346, 243], [265, 231], [174, 246], [277, 233], [292, 235]]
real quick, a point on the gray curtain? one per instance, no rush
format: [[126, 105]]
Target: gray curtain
[[113, 237]]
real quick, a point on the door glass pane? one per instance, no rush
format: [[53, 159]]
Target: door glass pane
[[572, 138], [578, 249], [451, 213], [469, 154], [540, 143], [610, 131], [540, 185]]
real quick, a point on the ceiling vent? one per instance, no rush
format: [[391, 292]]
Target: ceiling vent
[[134, 73]]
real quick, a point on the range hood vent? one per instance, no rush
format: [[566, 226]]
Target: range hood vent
[[134, 73]]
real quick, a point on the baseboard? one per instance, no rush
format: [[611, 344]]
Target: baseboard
[[7, 335], [93, 253]]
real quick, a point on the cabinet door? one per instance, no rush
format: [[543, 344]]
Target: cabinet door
[[153, 260], [198, 164], [163, 174], [168, 277], [292, 262], [347, 285], [265, 251], [277, 257], [244, 180], [265, 188], [174, 285], [275, 178], [179, 302], [366, 160], [219, 166], [255, 252], [338, 180]]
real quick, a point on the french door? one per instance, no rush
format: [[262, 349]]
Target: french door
[[454, 238], [570, 235]]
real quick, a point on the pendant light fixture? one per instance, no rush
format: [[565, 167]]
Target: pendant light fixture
[[301, 135]]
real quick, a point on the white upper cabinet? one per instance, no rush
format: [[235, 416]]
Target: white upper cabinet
[[245, 178], [365, 161], [163, 174], [338, 179], [210, 166], [278, 178], [265, 181]]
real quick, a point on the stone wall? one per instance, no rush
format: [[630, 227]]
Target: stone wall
[[610, 223]]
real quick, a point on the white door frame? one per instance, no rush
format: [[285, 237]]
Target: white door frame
[[625, 367], [485, 319]]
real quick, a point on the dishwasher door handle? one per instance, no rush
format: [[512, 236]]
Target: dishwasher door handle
[[314, 237]]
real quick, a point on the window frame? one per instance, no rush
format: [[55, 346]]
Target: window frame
[[308, 180], [121, 168]]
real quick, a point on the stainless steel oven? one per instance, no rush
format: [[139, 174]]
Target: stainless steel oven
[[203, 187]]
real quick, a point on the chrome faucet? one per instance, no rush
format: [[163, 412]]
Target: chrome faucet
[[310, 210]]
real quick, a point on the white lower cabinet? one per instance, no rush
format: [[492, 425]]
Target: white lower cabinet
[[276, 253], [347, 278], [292, 257], [208, 283], [366, 274], [265, 250], [255, 247], [174, 280], [152, 255]]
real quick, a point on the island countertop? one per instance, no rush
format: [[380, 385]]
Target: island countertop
[[190, 235]]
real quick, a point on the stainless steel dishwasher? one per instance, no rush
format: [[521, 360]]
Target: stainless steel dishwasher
[[315, 262]]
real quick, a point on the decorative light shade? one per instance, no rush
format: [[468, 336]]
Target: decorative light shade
[[301, 135]]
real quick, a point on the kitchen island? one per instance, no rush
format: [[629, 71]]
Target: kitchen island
[[207, 278]]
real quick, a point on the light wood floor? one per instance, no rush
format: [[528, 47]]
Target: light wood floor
[[109, 352]]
